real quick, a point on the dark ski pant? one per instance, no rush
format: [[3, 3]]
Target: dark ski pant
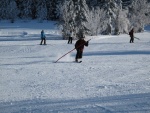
[[43, 39], [79, 54], [131, 39], [70, 40]]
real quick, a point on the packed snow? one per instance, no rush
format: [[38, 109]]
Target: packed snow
[[114, 76]]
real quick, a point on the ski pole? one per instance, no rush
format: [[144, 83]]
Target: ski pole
[[64, 55], [69, 52], [134, 37], [137, 38]]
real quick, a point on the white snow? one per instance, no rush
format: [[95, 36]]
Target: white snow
[[114, 76]]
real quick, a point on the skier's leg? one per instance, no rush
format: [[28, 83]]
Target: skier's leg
[[132, 39], [41, 41], [68, 40], [77, 55], [44, 41], [80, 54], [71, 40]]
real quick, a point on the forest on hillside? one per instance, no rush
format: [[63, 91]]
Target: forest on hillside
[[92, 17]]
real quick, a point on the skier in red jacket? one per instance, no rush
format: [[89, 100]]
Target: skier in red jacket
[[79, 46]]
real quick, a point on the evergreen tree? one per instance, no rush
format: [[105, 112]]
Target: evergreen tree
[[100, 16], [8, 10], [26, 9], [41, 10], [92, 3], [80, 18], [96, 20], [66, 15], [12, 10], [33, 9], [73, 17], [52, 8], [114, 16], [126, 3], [3, 11]]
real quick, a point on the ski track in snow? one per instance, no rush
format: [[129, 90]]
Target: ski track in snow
[[113, 77]]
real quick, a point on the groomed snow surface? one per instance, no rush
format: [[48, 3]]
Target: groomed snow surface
[[114, 76]]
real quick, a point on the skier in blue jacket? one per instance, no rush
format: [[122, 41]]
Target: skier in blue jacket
[[43, 37]]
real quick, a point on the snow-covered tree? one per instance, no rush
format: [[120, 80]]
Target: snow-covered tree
[[111, 8], [147, 14], [74, 16], [26, 9], [12, 11], [137, 15], [116, 17], [126, 3], [41, 10], [80, 18], [65, 13], [96, 21], [52, 8], [111, 16], [3, 10], [92, 3], [8, 10], [122, 22]]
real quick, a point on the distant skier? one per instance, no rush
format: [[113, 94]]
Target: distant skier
[[43, 37], [131, 33], [79, 46], [70, 37]]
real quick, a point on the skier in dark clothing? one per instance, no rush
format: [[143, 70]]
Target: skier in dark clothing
[[131, 35], [43, 37], [79, 46]]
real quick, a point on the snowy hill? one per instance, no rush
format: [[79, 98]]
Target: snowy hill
[[113, 77], [27, 30]]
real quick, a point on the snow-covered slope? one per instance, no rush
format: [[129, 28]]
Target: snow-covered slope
[[113, 77], [27, 30]]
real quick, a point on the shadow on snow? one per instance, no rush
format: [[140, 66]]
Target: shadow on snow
[[116, 104], [130, 52]]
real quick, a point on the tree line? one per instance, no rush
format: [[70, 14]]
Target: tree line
[[92, 17], [28, 9]]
